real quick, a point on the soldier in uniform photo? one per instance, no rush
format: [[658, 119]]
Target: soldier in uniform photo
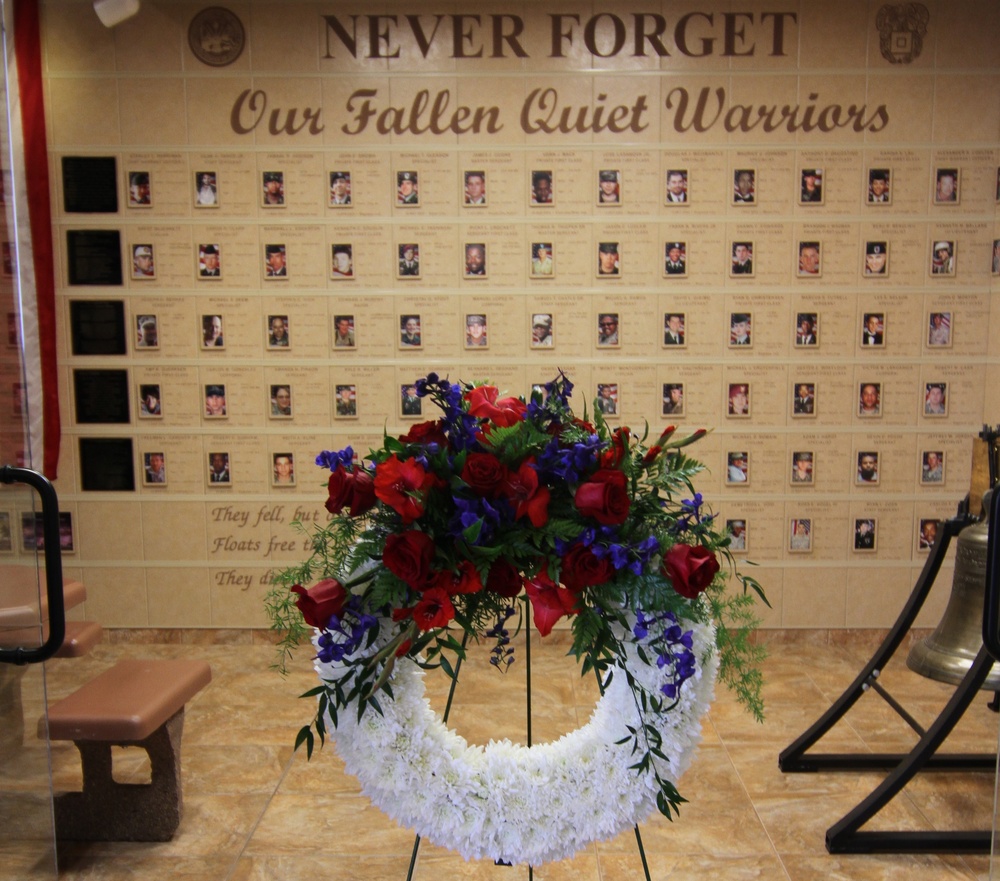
[[148, 335], [281, 400], [932, 467], [876, 258], [673, 329], [744, 186], [343, 336], [347, 404], [609, 188], [677, 183], [215, 401], [939, 329], [343, 261], [541, 330], [804, 402], [274, 262], [475, 188], [673, 399], [873, 329], [283, 469], [943, 258], [277, 337], [274, 189], [870, 399], [155, 466], [935, 399], [811, 190], [210, 261], [607, 398], [411, 403], [864, 535], [340, 188], [406, 188], [409, 331], [149, 400], [138, 189], [946, 188], [409, 260], [475, 260], [608, 262], [142, 262], [809, 258], [475, 331], [607, 329], [675, 262], [211, 332], [541, 188], [805, 333], [218, 468], [742, 259], [802, 467], [737, 470], [739, 329], [541, 259], [867, 467], [878, 186]]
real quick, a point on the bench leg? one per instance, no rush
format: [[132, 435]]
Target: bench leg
[[110, 811], [11, 711]]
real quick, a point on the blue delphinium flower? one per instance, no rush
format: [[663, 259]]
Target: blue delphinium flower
[[329, 459]]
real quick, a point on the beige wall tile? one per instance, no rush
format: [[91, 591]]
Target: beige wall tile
[[116, 596], [75, 40], [154, 40], [108, 531], [966, 107], [83, 113], [178, 597], [174, 530], [152, 111], [814, 598]]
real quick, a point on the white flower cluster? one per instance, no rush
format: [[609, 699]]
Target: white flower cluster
[[515, 803]]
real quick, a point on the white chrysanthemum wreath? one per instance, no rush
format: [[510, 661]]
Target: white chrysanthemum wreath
[[516, 803]]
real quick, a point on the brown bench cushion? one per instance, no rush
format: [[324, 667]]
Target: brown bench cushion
[[81, 637], [129, 701]]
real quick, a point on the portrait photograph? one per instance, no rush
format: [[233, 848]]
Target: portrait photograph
[[206, 189], [543, 260], [935, 399], [876, 260], [209, 262], [149, 401], [342, 261], [215, 401], [606, 401], [275, 262], [675, 258], [873, 330], [870, 399], [476, 331], [543, 191], [927, 533], [946, 186], [739, 535], [344, 333], [474, 265], [608, 330], [811, 186], [143, 262], [995, 261], [9, 252], [932, 467], [283, 469], [609, 187], [741, 259], [346, 401], [943, 258], [939, 330], [211, 332], [140, 190], [147, 333], [410, 335], [154, 468], [677, 187], [804, 402], [278, 332], [218, 470], [407, 189], [738, 468], [272, 193], [738, 400], [280, 401], [33, 532], [673, 399], [609, 259], [745, 186], [810, 264], [865, 534], [740, 329], [474, 188], [675, 329], [408, 257], [340, 189], [799, 535], [806, 329], [410, 404], [867, 471], [543, 330], [803, 468], [879, 186], [6, 536]]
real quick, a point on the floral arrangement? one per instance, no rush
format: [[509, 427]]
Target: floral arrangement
[[444, 531]]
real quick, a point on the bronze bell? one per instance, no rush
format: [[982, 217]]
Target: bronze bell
[[947, 654]]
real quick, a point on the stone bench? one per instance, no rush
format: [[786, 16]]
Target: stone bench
[[135, 703]]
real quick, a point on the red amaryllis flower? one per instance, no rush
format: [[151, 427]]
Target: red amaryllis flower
[[353, 489], [363, 497], [485, 474], [604, 497], [426, 433], [409, 555], [549, 603], [690, 568], [612, 457], [484, 403], [434, 609], [651, 454], [403, 486], [465, 580], [504, 579], [321, 601], [523, 489], [582, 568]]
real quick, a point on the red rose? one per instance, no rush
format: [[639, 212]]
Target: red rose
[[354, 489], [465, 580], [434, 609], [484, 473], [504, 579], [320, 602], [426, 433], [548, 602], [403, 486], [690, 568], [409, 556], [581, 568], [531, 499], [604, 497], [363, 496]]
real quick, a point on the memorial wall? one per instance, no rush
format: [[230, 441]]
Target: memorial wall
[[777, 222]]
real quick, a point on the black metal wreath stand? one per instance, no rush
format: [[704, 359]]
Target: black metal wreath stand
[[444, 717]]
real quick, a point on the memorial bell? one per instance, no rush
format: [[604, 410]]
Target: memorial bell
[[947, 654]]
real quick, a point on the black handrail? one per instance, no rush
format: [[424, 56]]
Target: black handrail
[[53, 568], [991, 610]]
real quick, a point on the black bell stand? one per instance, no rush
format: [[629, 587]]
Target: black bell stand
[[845, 836], [444, 718]]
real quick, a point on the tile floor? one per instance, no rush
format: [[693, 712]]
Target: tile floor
[[254, 811]]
